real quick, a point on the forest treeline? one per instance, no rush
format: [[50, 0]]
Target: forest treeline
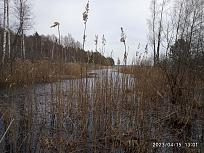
[[17, 19], [40, 47], [38, 58], [45, 60]]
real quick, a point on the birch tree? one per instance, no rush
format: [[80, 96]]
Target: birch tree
[[23, 15], [5, 31], [8, 29], [160, 31]]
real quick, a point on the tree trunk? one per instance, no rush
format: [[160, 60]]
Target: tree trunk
[[23, 44], [5, 32], [160, 31], [8, 30], [153, 30]]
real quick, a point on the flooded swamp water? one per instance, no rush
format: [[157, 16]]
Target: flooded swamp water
[[105, 113]]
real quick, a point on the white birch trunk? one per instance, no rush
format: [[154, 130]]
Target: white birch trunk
[[4, 35], [8, 29], [22, 29]]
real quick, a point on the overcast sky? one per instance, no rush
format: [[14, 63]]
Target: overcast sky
[[105, 17]]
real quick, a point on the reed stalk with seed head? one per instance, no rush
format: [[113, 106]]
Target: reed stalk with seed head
[[123, 40]]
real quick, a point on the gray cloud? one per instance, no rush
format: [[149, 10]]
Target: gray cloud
[[106, 17]]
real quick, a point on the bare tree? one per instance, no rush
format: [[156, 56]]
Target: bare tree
[[5, 31], [8, 29], [153, 27], [156, 27], [23, 15], [160, 30], [186, 47], [53, 39]]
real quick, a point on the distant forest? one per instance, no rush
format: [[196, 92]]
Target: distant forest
[[38, 47]]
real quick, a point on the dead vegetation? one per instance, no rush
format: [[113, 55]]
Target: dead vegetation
[[28, 72], [109, 113]]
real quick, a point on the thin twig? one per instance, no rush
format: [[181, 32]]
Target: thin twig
[[6, 131], [165, 118]]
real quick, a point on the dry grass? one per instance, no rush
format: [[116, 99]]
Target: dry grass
[[103, 114], [151, 81], [175, 104], [28, 72]]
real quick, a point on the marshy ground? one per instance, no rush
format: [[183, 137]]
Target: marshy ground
[[113, 111]]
